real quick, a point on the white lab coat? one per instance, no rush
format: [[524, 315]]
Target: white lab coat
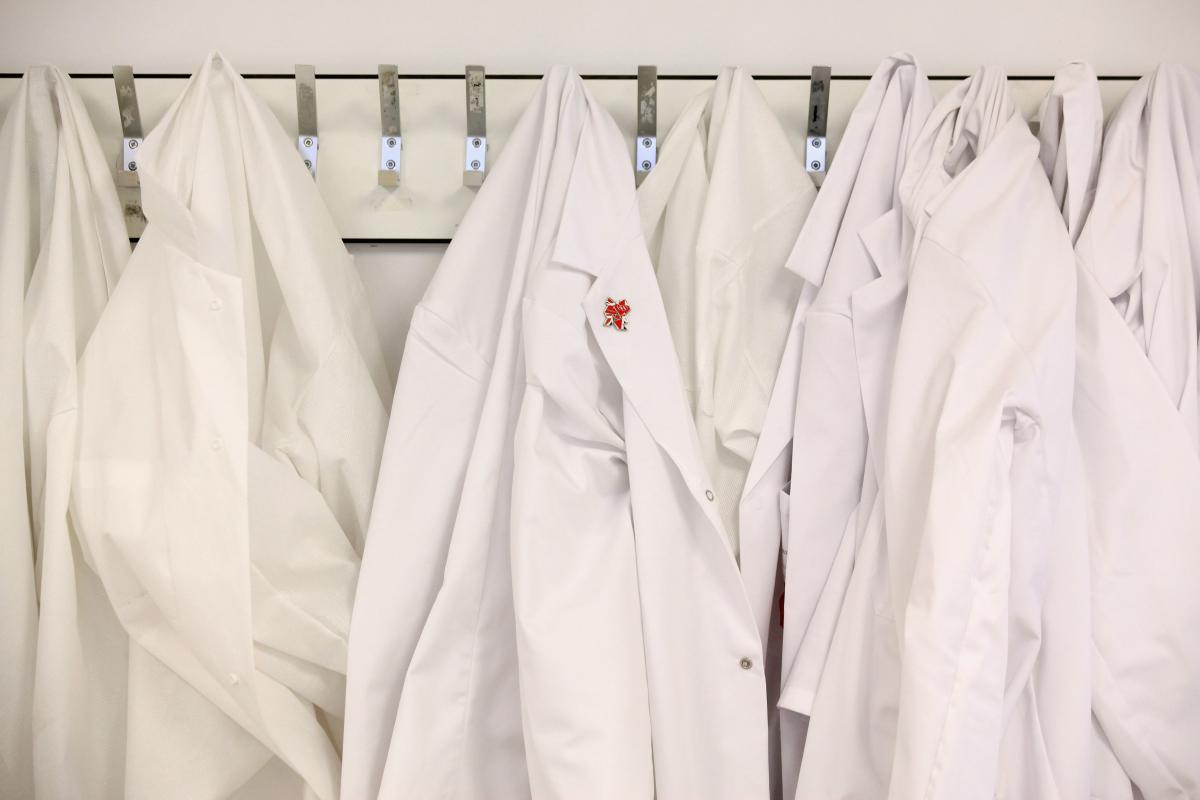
[[1144, 249], [987, 555], [62, 247], [231, 416], [682, 418], [433, 706], [1135, 420], [839, 638], [1072, 119], [514, 425]]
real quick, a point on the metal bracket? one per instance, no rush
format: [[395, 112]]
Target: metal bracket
[[390, 141], [306, 116], [131, 126], [816, 146], [646, 147], [475, 159]]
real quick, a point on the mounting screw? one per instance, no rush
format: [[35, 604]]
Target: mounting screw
[[390, 164]]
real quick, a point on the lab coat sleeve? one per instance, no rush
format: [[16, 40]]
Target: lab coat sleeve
[[967, 497], [435, 414], [583, 685]]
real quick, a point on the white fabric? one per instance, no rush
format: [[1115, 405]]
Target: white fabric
[[433, 708], [720, 211], [839, 659], [986, 549], [1143, 245], [1071, 122], [62, 247], [231, 417], [1135, 416], [544, 509]]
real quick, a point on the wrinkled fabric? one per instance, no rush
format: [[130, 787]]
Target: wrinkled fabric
[[231, 416], [720, 213], [987, 554], [62, 247], [1143, 246], [1142, 473], [541, 560], [433, 705], [705, 656], [839, 643]]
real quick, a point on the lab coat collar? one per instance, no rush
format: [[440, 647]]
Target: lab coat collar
[[814, 247], [1071, 119], [752, 169], [643, 359], [974, 129], [600, 194], [1168, 129], [877, 308], [218, 121], [1111, 242]]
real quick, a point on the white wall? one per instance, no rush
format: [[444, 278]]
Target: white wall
[[1027, 36]]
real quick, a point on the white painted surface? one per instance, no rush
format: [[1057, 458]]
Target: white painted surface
[[395, 276], [783, 36]]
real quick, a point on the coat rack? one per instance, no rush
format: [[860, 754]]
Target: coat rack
[[446, 150]]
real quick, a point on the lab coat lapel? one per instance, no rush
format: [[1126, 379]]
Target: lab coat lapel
[[643, 360], [877, 309], [610, 247]]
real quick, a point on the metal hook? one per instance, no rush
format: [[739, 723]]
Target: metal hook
[[307, 141], [816, 146], [390, 142], [131, 126], [646, 146], [475, 161]]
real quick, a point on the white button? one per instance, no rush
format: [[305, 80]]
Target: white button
[[708, 493], [746, 663], [234, 680], [216, 444], [215, 305]]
